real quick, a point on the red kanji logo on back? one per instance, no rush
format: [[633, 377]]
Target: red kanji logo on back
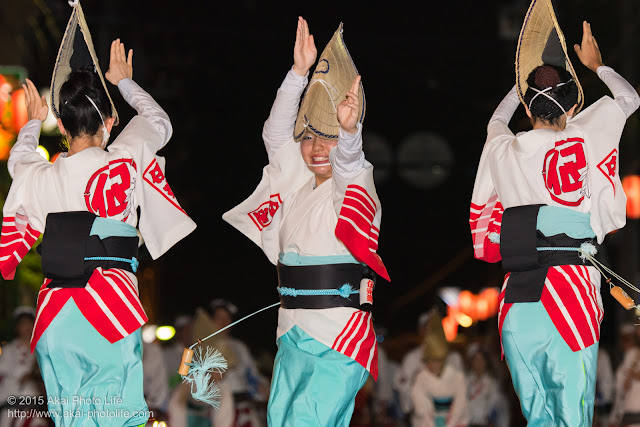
[[154, 176], [609, 167], [110, 189], [565, 170], [263, 216]]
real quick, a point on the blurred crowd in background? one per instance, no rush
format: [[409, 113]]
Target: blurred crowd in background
[[464, 382]]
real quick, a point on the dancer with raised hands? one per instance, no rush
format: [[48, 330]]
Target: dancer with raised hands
[[542, 202], [87, 333], [316, 215]]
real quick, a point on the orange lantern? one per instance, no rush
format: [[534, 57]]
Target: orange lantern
[[631, 186], [491, 296], [6, 138], [19, 109], [466, 302], [450, 326], [482, 308]]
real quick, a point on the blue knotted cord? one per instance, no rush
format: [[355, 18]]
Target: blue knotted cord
[[557, 248], [133, 261], [344, 291]]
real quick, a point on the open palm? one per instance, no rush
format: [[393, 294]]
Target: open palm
[[304, 51]]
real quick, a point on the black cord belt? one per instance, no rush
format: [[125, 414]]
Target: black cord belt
[[324, 286]]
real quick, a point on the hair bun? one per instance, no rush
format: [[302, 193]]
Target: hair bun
[[547, 76]]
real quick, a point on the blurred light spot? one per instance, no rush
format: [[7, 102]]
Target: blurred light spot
[[165, 333], [149, 333]]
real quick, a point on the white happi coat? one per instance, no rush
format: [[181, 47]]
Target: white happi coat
[[286, 214], [576, 168], [428, 388], [112, 184]]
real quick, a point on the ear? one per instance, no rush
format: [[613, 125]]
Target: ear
[[61, 127], [108, 122], [528, 112]]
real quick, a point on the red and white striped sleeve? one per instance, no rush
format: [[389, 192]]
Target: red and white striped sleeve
[[356, 229], [16, 239], [486, 221], [356, 202]]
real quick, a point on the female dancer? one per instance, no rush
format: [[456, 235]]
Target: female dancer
[[316, 215], [87, 332], [536, 194]]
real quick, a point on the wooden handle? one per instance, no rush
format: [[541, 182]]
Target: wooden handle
[[187, 355], [625, 300]]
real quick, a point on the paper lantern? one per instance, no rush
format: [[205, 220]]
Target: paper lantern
[[6, 139], [631, 186], [19, 109], [466, 301], [482, 308], [491, 296], [450, 326]]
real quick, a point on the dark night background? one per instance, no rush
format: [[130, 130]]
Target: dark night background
[[215, 67]]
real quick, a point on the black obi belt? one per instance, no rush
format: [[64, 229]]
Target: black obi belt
[[70, 255], [321, 286], [527, 265]]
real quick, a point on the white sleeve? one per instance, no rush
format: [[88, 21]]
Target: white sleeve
[[623, 93], [278, 129], [499, 122], [459, 414], [423, 409], [147, 108], [347, 158], [25, 145]]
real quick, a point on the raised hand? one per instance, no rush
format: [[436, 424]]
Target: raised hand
[[120, 64], [349, 109], [37, 107], [589, 52], [304, 51]]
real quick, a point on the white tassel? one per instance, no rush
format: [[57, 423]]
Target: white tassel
[[494, 237], [203, 387], [587, 250]]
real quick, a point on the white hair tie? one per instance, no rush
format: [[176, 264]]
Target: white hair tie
[[105, 132], [544, 93]]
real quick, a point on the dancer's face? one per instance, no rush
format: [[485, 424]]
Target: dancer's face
[[478, 364], [435, 366], [24, 327], [222, 318], [315, 153]]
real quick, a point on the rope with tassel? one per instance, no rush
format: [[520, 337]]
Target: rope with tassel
[[587, 252], [198, 368]]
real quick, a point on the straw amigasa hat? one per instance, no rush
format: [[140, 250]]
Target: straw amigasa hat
[[542, 42], [331, 80], [76, 52], [435, 345]]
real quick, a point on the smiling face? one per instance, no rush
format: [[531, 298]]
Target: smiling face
[[315, 153]]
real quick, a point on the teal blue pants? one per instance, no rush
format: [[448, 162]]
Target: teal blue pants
[[312, 384], [556, 386], [89, 381]]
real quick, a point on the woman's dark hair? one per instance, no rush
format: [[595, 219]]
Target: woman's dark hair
[[78, 116], [564, 91]]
